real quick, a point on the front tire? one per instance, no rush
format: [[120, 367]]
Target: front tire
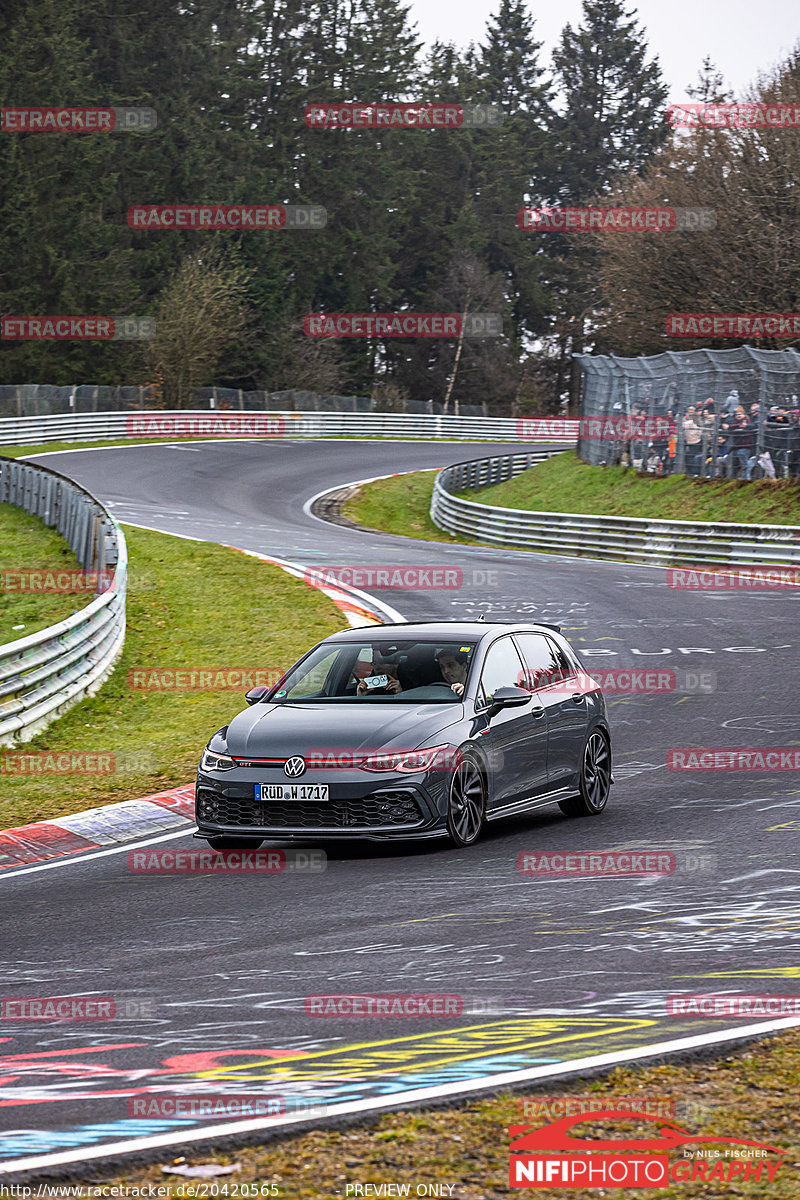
[[466, 804], [234, 843], [595, 779]]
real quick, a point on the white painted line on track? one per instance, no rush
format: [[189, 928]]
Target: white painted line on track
[[574, 1066], [68, 859]]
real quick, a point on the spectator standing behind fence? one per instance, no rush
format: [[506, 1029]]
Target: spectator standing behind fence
[[777, 432], [722, 453], [732, 403], [741, 440], [793, 443], [692, 436]]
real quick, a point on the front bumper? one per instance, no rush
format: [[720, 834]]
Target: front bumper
[[397, 806]]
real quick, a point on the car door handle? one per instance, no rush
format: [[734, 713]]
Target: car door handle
[[537, 710], [578, 697]]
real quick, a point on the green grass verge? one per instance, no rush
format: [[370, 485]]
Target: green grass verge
[[27, 544], [401, 504], [191, 606], [563, 484], [750, 1093]]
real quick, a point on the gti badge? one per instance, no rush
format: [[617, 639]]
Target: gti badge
[[294, 766]]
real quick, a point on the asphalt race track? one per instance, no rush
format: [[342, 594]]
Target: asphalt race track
[[551, 970]]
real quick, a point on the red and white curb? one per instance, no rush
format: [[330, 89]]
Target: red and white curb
[[97, 827], [359, 607]]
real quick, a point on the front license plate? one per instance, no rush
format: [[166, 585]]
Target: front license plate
[[291, 791]]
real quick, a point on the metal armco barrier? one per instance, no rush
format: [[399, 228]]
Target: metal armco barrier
[[44, 674], [628, 538], [64, 427]]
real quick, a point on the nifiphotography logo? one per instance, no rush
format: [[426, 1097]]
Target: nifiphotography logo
[[548, 1156]]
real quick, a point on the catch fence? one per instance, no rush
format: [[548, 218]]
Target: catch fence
[[712, 413]]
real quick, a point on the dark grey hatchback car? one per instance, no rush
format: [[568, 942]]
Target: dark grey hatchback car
[[410, 731]]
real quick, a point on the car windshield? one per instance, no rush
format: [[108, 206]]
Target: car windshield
[[379, 672]]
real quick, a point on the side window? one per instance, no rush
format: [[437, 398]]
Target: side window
[[544, 662], [502, 668], [564, 660], [309, 680]]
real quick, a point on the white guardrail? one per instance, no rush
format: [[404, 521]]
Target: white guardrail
[[44, 674], [627, 538], [65, 427]]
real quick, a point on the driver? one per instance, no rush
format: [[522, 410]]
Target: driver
[[453, 665], [381, 666]]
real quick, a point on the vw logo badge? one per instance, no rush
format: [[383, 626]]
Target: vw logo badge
[[294, 766]]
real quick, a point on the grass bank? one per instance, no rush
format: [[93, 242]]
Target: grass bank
[[192, 606], [563, 484], [27, 544], [750, 1093]]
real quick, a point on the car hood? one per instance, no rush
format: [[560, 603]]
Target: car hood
[[281, 730]]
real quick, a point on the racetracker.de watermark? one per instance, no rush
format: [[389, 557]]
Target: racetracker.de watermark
[[719, 325], [76, 329], [730, 1005], [255, 217], [72, 581], [620, 681], [75, 1008], [552, 1108], [234, 862], [202, 679], [622, 429], [385, 1005], [204, 425], [397, 577], [405, 762], [76, 762], [734, 116], [403, 325], [383, 115], [743, 579], [725, 759], [217, 1105], [77, 120], [55, 579], [540, 429], [594, 219], [616, 862]]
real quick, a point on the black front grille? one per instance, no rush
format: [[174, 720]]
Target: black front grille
[[397, 808]]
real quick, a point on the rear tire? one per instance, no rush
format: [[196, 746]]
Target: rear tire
[[234, 843], [595, 779]]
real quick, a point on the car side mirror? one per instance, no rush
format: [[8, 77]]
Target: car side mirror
[[508, 697], [255, 694]]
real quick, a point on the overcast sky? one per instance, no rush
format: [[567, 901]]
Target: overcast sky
[[742, 37]]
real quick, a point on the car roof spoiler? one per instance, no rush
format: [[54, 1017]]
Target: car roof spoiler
[[546, 625]]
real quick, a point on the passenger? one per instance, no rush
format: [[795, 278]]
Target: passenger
[[453, 666]]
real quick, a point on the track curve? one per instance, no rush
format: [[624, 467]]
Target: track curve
[[556, 970]]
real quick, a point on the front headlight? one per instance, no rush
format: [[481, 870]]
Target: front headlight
[[215, 762], [409, 762]]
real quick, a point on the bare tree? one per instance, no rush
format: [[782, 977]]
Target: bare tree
[[200, 313], [747, 263], [295, 361]]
